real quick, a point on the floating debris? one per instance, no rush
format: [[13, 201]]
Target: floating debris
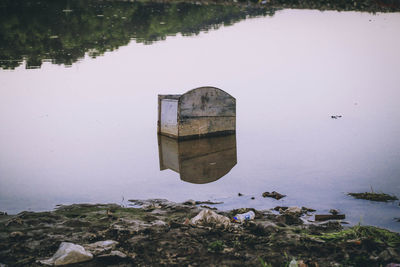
[[336, 117], [381, 197]]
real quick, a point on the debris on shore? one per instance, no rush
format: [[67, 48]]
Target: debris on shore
[[381, 197], [161, 233]]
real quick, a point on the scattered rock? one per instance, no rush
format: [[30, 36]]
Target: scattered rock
[[333, 211], [16, 235], [207, 217], [273, 194], [388, 254], [101, 247], [189, 202], [114, 253], [280, 208], [308, 209], [14, 222], [166, 236], [68, 253], [2, 213], [294, 210]]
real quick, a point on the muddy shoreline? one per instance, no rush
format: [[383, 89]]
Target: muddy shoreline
[[159, 232]]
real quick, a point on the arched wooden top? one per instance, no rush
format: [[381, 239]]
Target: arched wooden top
[[207, 102]]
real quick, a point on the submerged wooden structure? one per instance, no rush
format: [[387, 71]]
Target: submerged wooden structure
[[198, 161], [204, 111]]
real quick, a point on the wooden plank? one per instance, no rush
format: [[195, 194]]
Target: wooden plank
[[325, 217]]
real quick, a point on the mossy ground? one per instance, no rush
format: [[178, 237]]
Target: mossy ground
[[157, 235]]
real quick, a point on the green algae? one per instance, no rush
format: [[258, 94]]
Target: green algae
[[381, 197], [359, 232]]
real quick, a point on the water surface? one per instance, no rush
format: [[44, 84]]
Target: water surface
[[87, 133]]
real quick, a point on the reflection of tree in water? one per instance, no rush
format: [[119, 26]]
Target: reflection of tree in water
[[63, 31]]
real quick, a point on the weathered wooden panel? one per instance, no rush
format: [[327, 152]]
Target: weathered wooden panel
[[206, 102], [200, 160], [202, 126], [169, 116]]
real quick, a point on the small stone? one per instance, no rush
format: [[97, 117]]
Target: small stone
[[333, 211], [280, 208], [114, 253], [253, 198], [308, 209], [101, 247], [16, 234], [240, 194], [273, 194], [294, 210], [159, 223], [189, 202]]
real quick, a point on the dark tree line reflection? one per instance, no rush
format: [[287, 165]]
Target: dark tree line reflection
[[63, 31]]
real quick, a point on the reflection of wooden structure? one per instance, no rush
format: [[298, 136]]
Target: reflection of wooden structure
[[198, 161], [203, 111]]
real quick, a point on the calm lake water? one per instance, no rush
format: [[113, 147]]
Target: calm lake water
[[84, 129]]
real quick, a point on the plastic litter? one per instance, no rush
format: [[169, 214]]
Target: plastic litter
[[241, 217], [210, 217], [68, 253]]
